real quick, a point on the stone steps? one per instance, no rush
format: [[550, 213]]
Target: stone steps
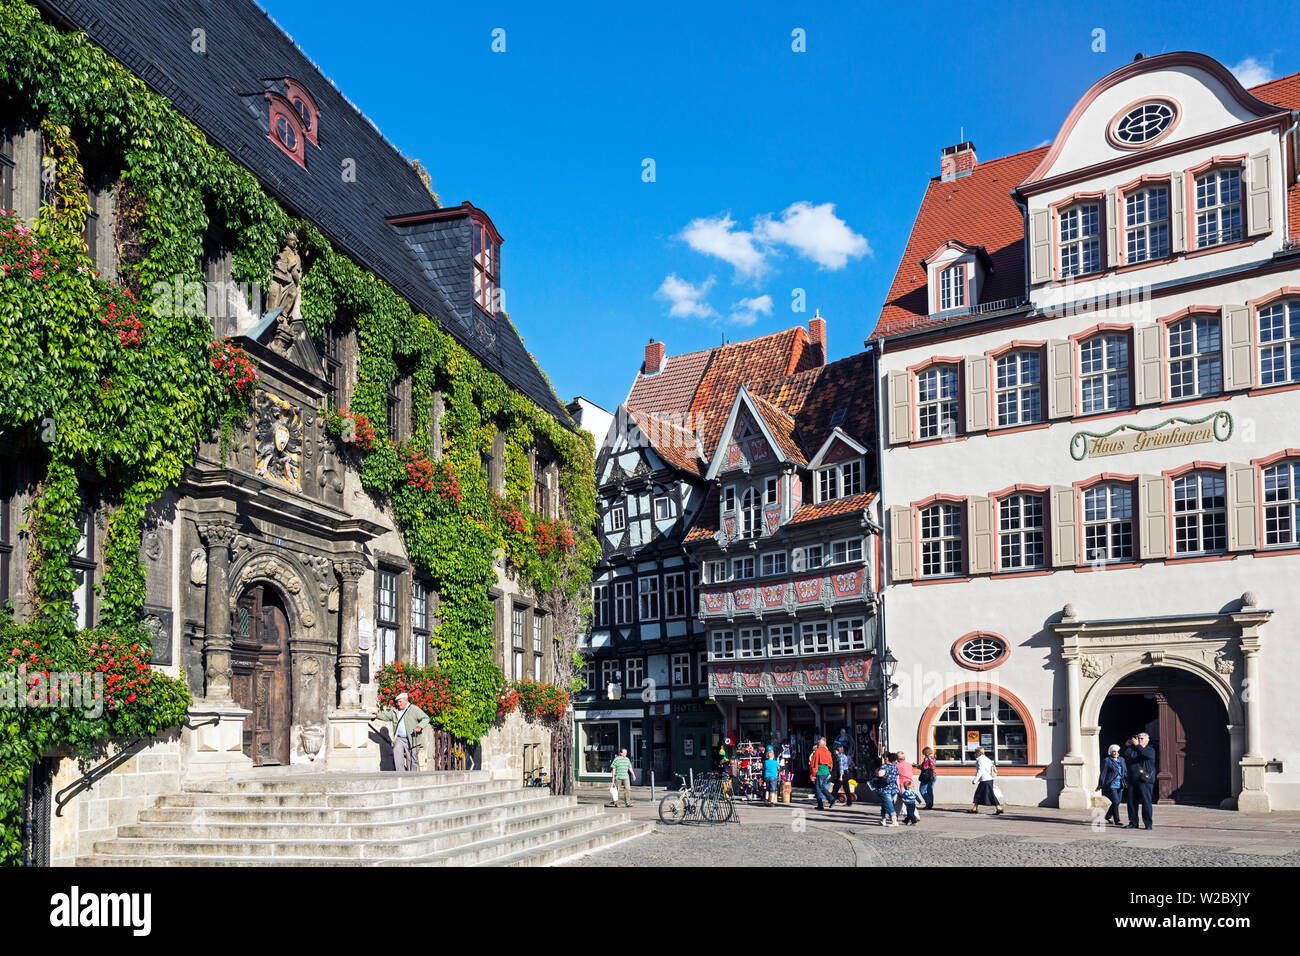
[[295, 819]]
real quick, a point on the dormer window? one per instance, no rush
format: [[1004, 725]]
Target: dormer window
[[305, 107], [286, 129], [843, 480], [952, 288], [487, 267]]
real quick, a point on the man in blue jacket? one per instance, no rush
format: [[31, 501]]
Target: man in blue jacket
[[1140, 759]]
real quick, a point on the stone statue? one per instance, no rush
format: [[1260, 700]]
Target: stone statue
[[285, 281]]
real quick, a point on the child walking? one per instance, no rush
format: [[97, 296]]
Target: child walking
[[910, 799]]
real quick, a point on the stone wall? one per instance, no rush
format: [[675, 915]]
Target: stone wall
[[114, 800], [503, 748]]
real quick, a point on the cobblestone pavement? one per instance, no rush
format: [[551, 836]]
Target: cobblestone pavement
[[800, 835]]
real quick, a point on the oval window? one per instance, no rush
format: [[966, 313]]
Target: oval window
[[981, 651], [303, 111], [284, 130], [1143, 123]]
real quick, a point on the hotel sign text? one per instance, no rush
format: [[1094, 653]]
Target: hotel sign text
[[1172, 432]]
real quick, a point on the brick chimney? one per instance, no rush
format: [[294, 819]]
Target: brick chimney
[[817, 334], [654, 357], [957, 161]]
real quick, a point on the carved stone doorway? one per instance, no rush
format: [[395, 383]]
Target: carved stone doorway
[[260, 680], [1188, 727]]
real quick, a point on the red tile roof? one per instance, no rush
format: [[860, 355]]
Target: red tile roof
[[827, 509], [676, 445], [978, 210], [814, 397], [783, 429], [706, 522], [670, 391]]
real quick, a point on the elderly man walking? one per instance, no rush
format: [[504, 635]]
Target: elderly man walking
[[405, 723]]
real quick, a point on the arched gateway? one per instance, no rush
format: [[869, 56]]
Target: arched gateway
[[260, 679]]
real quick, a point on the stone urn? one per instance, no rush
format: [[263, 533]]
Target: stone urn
[[313, 737]]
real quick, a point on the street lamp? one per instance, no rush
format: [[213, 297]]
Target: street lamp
[[890, 666]]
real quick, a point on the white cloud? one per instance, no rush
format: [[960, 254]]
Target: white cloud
[[745, 312], [1250, 72], [719, 237], [687, 299], [816, 233]]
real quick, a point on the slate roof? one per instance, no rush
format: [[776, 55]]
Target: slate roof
[[221, 92], [979, 211]]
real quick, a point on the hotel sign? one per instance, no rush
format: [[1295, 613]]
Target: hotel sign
[[1172, 432]]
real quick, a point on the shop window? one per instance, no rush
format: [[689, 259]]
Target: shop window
[[1019, 388], [1218, 208], [1279, 343], [749, 642], [980, 719], [623, 602], [1104, 373], [781, 641], [1020, 532], [648, 594], [1195, 358], [386, 623], [1282, 504], [675, 594], [599, 746], [755, 725], [941, 541], [1200, 513], [1108, 523], [936, 402]]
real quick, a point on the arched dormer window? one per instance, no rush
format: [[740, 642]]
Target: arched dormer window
[[305, 107], [286, 129]]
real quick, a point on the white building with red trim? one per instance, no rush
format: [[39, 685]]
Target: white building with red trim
[[1090, 463]]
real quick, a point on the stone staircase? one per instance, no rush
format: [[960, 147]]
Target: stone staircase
[[285, 818]]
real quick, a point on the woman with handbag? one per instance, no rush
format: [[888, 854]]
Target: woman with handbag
[[985, 790], [926, 777], [1111, 782]]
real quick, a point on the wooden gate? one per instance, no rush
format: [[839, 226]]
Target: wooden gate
[[446, 752], [259, 663]]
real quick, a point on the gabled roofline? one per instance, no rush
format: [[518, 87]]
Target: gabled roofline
[[466, 208], [1129, 70], [839, 433], [980, 253], [742, 394]]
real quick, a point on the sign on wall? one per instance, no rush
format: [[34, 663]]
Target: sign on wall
[[1171, 433]]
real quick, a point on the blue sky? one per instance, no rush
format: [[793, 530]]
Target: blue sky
[[774, 170]]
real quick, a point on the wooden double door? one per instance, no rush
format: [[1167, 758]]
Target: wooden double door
[[1188, 726], [260, 678]]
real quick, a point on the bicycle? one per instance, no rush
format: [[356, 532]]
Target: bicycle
[[706, 800], [536, 778]]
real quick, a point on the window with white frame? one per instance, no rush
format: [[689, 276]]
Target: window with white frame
[[517, 642], [675, 594], [1195, 357], [600, 605], [623, 602], [847, 551], [539, 643], [1279, 343], [1080, 239], [663, 508], [717, 571], [1146, 224], [588, 673], [1108, 523], [618, 517], [1218, 207], [840, 481], [828, 482], [742, 568], [1200, 513], [780, 640], [1019, 388], [751, 521], [83, 573], [386, 615], [1020, 532], [681, 668], [812, 557], [611, 672], [749, 642], [936, 402], [1104, 373], [850, 634], [419, 622], [952, 288], [941, 542], [771, 486], [635, 674], [980, 719], [729, 498], [773, 562], [722, 645], [648, 599], [1282, 504], [816, 637]]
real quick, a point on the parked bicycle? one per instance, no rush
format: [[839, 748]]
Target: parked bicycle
[[536, 778], [706, 801]]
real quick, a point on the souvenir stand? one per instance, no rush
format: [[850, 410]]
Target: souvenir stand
[[747, 772]]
